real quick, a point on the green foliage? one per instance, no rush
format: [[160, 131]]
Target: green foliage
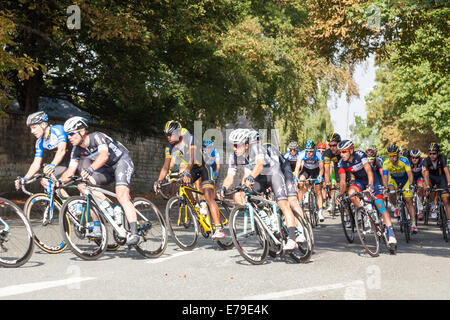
[[363, 135]]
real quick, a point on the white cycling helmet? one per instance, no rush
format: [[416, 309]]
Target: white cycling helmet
[[75, 124], [253, 136], [345, 144], [239, 136]]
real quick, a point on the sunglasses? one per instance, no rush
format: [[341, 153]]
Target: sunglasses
[[235, 145], [332, 145], [322, 150], [309, 150], [72, 133], [345, 151], [432, 153], [415, 157]]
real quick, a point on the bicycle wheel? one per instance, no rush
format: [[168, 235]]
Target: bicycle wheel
[[312, 209], [225, 243], [367, 233], [333, 211], [169, 190], [444, 224], [405, 224], [182, 223], [152, 229], [74, 230], [347, 215], [304, 249], [47, 234], [16, 235], [248, 235]]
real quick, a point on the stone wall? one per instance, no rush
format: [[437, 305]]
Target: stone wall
[[17, 146]]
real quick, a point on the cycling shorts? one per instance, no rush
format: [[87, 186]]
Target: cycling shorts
[[402, 184]]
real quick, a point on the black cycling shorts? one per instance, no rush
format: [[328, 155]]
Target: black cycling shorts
[[205, 172]]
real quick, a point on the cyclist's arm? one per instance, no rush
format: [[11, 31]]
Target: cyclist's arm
[[298, 165], [71, 170], [426, 177], [101, 159], [410, 176], [342, 181], [369, 172], [327, 168], [165, 169], [59, 156], [321, 168], [228, 181], [34, 168], [258, 168], [447, 174]]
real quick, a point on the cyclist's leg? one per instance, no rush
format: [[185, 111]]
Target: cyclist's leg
[[292, 192], [408, 197]]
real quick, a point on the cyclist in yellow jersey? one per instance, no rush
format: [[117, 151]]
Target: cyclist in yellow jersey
[[397, 174]]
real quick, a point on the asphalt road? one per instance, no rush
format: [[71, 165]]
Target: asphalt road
[[337, 270]]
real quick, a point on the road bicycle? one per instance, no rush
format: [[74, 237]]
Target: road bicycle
[[185, 221], [442, 218], [405, 219], [311, 200], [78, 213], [369, 224], [258, 230], [16, 235]]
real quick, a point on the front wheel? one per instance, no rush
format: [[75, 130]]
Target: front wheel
[[348, 222], [248, 235], [73, 222], [367, 232], [152, 229], [443, 221], [182, 223], [225, 243]]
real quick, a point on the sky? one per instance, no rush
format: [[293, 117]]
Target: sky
[[339, 108]]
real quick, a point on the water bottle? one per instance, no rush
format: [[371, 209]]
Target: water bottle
[[203, 209], [274, 222], [118, 212]]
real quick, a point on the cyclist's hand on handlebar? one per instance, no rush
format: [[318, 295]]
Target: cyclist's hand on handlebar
[[370, 188], [19, 182], [249, 181], [186, 177], [49, 169], [157, 185]]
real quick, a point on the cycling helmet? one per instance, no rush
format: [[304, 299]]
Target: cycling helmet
[[345, 145], [434, 147], [171, 126], [239, 136], [371, 152], [310, 145], [321, 145], [36, 118], [293, 145], [253, 136], [207, 143], [75, 124], [415, 153], [334, 137], [393, 150]]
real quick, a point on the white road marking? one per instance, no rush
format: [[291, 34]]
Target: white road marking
[[176, 255], [354, 290], [30, 287]]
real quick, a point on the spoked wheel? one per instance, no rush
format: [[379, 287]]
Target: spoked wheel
[[16, 236], [248, 235], [405, 224], [347, 218], [304, 246], [152, 229], [169, 189], [182, 223], [367, 233], [74, 228], [444, 224], [44, 221]]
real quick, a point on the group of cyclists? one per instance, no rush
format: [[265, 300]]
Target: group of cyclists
[[101, 160]]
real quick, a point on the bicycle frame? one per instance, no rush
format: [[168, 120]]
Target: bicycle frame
[[6, 225]]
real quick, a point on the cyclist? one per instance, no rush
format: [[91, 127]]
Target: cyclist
[[436, 174], [310, 165], [330, 156], [375, 161], [102, 160], [321, 147], [50, 137], [416, 168], [397, 174], [292, 154], [357, 163], [212, 157], [184, 146], [261, 171]]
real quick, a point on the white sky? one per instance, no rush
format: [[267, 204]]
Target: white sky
[[339, 108]]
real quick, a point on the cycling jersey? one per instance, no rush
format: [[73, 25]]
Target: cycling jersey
[[255, 152], [183, 148], [417, 171], [397, 172], [212, 158], [310, 163], [435, 168], [57, 135], [292, 158]]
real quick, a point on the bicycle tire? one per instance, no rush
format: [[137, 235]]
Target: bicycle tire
[[349, 233], [48, 236], [304, 251], [225, 243], [404, 223], [152, 229], [333, 204], [256, 249], [372, 248], [89, 249], [16, 244], [181, 230], [444, 221]]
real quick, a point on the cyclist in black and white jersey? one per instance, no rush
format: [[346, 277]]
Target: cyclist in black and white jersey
[[102, 160]]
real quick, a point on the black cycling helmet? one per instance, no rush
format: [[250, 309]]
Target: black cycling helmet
[[434, 147], [393, 150], [171, 126], [405, 153], [334, 137]]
